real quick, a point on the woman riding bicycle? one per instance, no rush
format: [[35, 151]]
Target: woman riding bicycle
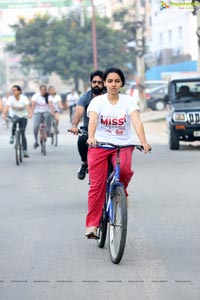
[[20, 109], [41, 108], [56, 102], [110, 118]]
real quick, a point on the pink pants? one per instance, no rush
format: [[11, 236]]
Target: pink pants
[[98, 171]]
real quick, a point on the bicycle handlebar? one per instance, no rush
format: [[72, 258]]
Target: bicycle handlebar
[[80, 132], [138, 147]]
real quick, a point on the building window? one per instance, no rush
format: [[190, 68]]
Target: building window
[[180, 32], [169, 36]]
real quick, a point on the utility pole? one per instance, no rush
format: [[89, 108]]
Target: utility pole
[[140, 64], [94, 37]]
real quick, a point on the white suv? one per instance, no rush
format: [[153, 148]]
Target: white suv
[[149, 85]]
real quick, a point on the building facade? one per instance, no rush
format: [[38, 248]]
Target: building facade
[[173, 42]]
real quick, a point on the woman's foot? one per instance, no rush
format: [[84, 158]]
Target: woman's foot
[[91, 232]]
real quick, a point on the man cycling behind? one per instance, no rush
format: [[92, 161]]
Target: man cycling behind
[[97, 88], [19, 105], [41, 107]]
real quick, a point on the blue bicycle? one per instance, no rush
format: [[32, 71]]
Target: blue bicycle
[[115, 209]]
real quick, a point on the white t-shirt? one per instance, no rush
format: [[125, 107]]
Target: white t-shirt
[[72, 99], [18, 104], [114, 122], [41, 105], [55, 100]]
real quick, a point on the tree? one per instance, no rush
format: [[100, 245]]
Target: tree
[[62, 46], [126, 18]]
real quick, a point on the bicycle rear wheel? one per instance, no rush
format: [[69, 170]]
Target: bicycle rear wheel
[[102, 230], [118, 230]]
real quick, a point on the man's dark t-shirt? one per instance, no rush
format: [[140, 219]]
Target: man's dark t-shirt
[[84, 101]]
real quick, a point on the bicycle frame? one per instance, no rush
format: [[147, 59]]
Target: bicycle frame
[[113, 179], [112, 182], [18, 140], [15, 122], [114, 211], [43, 131]]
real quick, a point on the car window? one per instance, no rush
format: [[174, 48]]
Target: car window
[[186, 91]]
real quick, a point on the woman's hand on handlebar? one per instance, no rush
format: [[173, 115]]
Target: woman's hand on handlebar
[[91, 141], [147, 147]]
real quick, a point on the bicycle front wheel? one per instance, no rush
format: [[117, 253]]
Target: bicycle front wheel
[[118, 229], [56, 137], [55, 133], [17, 149], [43, 146], [20, 151]]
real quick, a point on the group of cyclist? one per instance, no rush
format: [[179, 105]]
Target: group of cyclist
[[44, 104], [107, 116]]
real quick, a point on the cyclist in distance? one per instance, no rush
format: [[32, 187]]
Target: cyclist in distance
[[110, 119], [3, 101], [72, 99], [41, 107], [97, 88], [56, 102], [19, 106]]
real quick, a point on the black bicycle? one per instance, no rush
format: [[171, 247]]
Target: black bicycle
[[115, 209], [43, 135], [54, 134], [18, 142]]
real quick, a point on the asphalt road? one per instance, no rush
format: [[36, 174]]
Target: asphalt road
[[44, 254]]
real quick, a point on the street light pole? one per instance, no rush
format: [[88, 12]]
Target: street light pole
[[140, 64], [94, 38]]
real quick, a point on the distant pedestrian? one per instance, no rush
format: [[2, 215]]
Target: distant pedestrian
[[41, 107], [72, 99], [56, 101]]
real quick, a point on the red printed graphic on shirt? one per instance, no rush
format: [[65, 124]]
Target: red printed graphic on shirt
[[114, 124]]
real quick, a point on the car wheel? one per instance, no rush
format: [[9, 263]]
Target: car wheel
[[173, 140], [159, 105]]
